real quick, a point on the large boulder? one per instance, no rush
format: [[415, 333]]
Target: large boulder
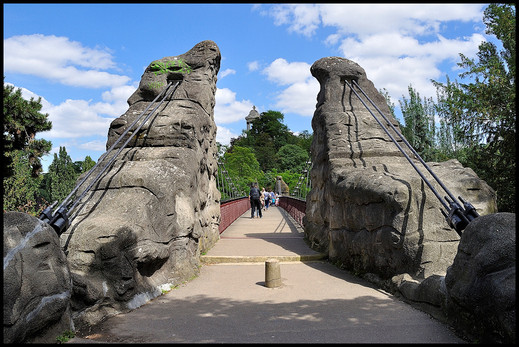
[[368, 207], [480, 284], [143, 225], [37, 283], [477, 294]]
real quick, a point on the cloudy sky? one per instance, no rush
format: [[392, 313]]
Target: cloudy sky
[[85, 60]]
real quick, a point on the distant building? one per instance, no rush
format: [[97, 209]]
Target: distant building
[[253, 114]]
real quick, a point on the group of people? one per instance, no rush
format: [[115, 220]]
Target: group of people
[[261, 200]]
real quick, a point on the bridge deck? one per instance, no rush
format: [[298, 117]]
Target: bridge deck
[[275, 235]]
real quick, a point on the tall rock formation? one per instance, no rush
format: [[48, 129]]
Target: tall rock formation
[[368, 208], [144, 223]]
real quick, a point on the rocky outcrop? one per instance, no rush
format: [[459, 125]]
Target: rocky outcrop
[[281, 187], [368, 208], [37, 283], [143, 225], [480, 284], [477, 294]]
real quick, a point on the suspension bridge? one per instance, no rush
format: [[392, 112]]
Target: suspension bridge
[[458, 213], [230, 302]]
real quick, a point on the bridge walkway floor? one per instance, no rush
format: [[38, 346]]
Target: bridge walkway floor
[[276, 236], [229, 303]]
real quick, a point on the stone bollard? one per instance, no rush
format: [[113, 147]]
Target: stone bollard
[[272, 273]]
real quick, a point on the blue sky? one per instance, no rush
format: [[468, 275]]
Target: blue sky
[[85, 60]]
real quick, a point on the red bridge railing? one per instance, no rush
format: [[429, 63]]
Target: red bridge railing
[[231, 210], [295, 207]]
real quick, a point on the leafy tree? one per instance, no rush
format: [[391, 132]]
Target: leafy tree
[[21, 188], [265, 140], [242, 166], [482, 112], [304, 140], [265, 152], [292, 158], [267, 135], [270, 127], [22, 121], [419, 128], [86, 165], [61, 178]]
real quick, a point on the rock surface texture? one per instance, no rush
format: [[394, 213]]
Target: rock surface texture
[[477, 294], [144, 223], [281, 187], [368, 208], [37, 282], [480, 284]]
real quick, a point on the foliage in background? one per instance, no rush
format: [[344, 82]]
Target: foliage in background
[[291, 158], [22, 121], [21, 189], [266, 137], [243, 167], [481, 114], [63, 173], [267, 150], [419, 129], [25, 188]]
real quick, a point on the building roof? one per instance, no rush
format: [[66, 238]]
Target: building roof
[[253, 114]]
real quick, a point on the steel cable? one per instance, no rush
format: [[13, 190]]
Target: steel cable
[[62, 210], [408, 145], [456, 216]]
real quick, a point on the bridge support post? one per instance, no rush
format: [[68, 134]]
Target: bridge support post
[[272, 273]]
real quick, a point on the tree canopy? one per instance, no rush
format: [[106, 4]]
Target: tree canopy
[[22, 121], [480, 110], [274, 148], [25, 187]]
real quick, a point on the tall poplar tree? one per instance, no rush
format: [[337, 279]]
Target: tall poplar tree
[[61, 178], [419, 128]]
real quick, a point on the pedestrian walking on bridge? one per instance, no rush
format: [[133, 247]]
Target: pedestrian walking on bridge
[[266, 199], [255, 202]]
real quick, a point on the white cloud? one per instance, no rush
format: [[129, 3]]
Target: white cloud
[[306, 19], [397, 44], [81, 118], [332, 39], [406, 19], [395, 74], [116, 100], [283, 72], [303, 19], [406, 61], [227, 109], [299, 98], [76, 118], [253, 66], [299, 95], [59, 59], [95, 145], [227, 72], [224, 135]]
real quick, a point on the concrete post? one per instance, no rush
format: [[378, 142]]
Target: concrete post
[[272, 273]]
